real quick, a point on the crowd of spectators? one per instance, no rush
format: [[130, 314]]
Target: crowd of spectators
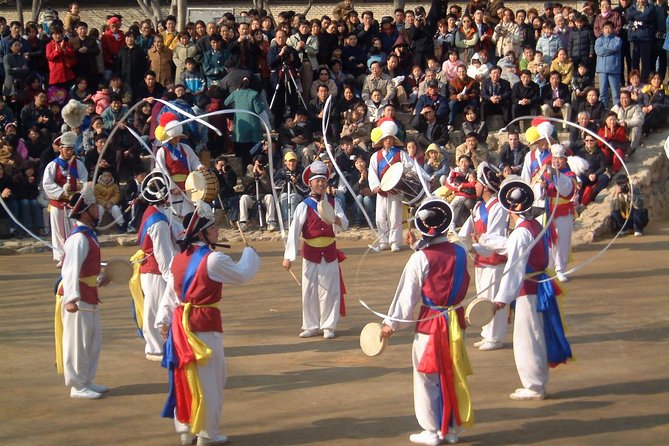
[[448, 69]]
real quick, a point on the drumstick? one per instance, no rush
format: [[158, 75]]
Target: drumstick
[[294, 277], [242, 234]]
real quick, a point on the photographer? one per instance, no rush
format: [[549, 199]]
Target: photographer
[[257, 186], [626, 204], [228, 198], [289, 181], [283, 62]]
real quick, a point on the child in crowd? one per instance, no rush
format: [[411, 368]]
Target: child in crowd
[[435, 165], [627, 203], [413, 80], [363, 194], [191, 78], [375, 105], [101, 98], [462, 181], [580, 83], [108, 196]]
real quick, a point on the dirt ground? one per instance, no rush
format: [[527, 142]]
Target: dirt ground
[[283, 390]]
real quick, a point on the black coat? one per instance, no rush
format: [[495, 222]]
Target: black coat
[[131, 64], [547, 94]]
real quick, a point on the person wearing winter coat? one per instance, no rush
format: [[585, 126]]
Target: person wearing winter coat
[[608, 49], [131, 63], [61, 58], [581, 48], [184, 49], [642, 23], [108, 196]]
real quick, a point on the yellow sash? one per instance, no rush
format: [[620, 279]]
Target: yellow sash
[[461, 369], [58, 322], [178, 177], [202, 354], [136, 287], [319, 242]]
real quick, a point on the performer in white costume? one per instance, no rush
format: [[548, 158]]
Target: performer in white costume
[[62, 177], [78, 300], [322, 293], [488, 219]]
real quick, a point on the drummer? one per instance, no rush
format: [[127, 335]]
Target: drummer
[[388, 205], [322, 284], [435, 276], [488, 219], [176, 160]]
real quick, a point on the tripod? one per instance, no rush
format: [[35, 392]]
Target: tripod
[[259, 203], [291, 88]]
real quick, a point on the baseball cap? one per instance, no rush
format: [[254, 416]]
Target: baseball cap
[[289, 156], [432, 83]]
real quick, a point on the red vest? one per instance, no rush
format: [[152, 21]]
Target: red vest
[[481, 227], [439, 281], [563, 203], [176, 167], [89, 268], [60, 179], [149, 264], [537, 260], [315, 227], [203, 291]]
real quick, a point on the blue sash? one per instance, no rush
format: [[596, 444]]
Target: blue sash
[[384, 160], [191, 270], [86, 230], [70, 168], [534, 166], [557, 346], [311, 203], [178, 154], [155, 218], [171, 363], [460, 268], [483, 213]]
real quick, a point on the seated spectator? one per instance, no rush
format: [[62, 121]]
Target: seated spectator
[[580, 84], [636, 87], [363, 194], [594, 107], [108, 197], [412, 83], [257, 186], [116, 86], [512, 153], [378, 80], [150, 87], [577, 136], [462, 181], [450, 66], [658, 104], [323, 78], [509, 66], [536, 62], [92, 158], [430, 130], [36, 145], [375, 105], [556, 99], [26, 191], [358, 127], [7, 192], [336, 187], [9, 157], [228, 198], [114, 113], [496, 96], [433, 98], [525, 96], [415, 152], [471, 148], [563, 65], [616, 135], [596, 177], [79, 90], [628, 212], [389, 113], [346, 154], [292, 190], [317, 110], [463, 92], [631, 117], [36, 114], [472, 124], [478, 70], [526, 58], [132, 197], [435, 165]]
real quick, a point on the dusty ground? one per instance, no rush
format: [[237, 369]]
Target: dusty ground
[[283, 390]]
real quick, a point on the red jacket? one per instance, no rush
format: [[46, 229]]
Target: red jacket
[[61, 59], [110, 48]]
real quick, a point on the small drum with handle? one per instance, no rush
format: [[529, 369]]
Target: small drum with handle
[[326, 212], [201, 186], [118, 271], [479, 312], [371, 342], [404, 182]]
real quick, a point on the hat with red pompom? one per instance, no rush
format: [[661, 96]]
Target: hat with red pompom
[[170, 127]]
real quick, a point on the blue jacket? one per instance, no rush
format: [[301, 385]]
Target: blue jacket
[[642, 23], [608, 50], [666, 38]]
